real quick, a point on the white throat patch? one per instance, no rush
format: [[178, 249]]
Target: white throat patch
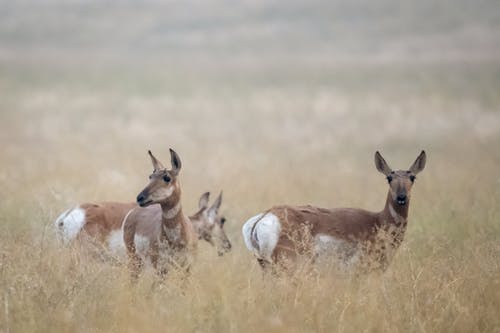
[[165, 193]]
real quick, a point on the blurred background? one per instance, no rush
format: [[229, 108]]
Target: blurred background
[[272, 102]]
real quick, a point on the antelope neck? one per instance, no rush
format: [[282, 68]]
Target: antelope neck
[[170, 215], [397, 213]]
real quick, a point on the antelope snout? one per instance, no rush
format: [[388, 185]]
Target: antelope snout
[[224, 248], [141, 200], [401, 199]]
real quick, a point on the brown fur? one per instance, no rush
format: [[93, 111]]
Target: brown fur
[[377, 235], [350, 224], [175, 237], [148, 222], [209, 225], [103, 218]]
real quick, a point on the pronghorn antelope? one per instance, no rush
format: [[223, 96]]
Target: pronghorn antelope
[[99, 225], [209, 225], [349, 236], [174, 239]]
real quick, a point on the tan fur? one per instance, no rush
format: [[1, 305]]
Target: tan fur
[[148, 222], [176, 238], [103, 218], [375, 234], [209, 225], [300, 224]]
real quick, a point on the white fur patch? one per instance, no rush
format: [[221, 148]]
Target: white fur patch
[[265, 235], [59, 226], [117, 247], [163, 193], [69, 224], [342, 252], [115, 243]]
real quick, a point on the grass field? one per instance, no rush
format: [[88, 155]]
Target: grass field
[[271, 103]]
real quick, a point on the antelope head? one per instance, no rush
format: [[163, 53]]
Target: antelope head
[[400, 181], [209, 225], [163, 187]]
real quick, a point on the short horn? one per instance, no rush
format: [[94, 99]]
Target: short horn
[[157, 165]]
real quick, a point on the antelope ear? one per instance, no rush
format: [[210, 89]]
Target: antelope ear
[[212, 212], [176, 162], [203, 203], [156, 164], [419, 163], [381, 164]]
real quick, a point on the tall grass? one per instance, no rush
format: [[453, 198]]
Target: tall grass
[[291, 122], [444, 278]]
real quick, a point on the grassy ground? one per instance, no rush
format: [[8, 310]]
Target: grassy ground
[[267, 127]]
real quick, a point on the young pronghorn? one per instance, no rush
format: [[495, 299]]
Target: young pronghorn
[[350, 236], [174, 238], [99, 225]]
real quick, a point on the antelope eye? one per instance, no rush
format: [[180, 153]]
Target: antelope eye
[[167, 179], [412, 178], [389, 179], [222, 221]]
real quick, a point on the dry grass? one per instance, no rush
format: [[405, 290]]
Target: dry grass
[[284, 128]]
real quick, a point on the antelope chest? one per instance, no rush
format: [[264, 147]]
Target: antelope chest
[[174, 248], [172, 237], [172, 234]]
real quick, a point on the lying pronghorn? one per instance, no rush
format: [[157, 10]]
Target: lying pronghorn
[[174, 239], [351, 236], [101, 224]]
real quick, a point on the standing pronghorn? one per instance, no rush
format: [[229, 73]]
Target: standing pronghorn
[[174, 238], [99, 225], [350, 235]]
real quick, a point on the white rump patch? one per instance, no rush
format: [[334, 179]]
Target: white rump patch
[[69, 224], [264, 238]]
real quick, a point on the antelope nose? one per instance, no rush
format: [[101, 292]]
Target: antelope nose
[[140, 198], [401, 199]]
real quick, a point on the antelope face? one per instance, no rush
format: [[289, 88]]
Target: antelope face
[[209, 225], [163, 186], [400, 181]]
